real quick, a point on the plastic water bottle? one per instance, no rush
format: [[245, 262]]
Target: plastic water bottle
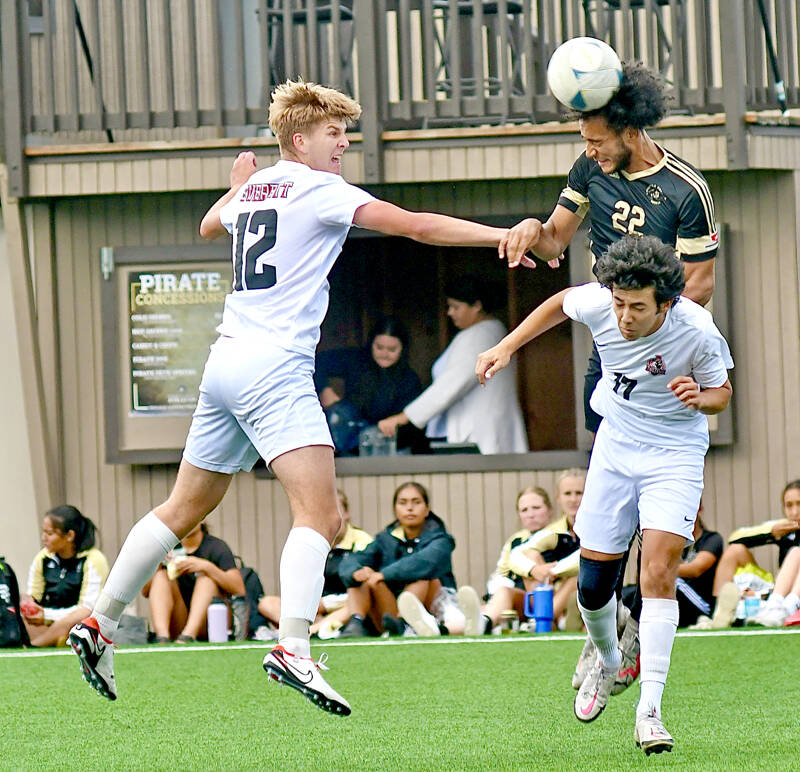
[[240, 613], [217, 621], [542, 611]]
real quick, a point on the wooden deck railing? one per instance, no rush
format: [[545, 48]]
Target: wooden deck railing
[[74, 70]]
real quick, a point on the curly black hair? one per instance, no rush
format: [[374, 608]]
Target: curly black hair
[[636, 262], [640, 101]]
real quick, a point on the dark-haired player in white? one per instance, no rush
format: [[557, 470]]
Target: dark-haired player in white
[[664, 367], [627, 184]]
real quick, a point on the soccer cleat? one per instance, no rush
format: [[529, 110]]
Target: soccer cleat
[[650, 734], [629, 646], [303, 674], [587, 658], [588, 654], [96, 655], [769, 616], [421, 620], [593, 695], [727, 601], [470, 604]]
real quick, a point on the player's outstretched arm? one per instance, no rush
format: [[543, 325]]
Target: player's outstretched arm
[[699, 280], [540, 320], [708, 401], [546, 240], [426, 227], [245, 164]]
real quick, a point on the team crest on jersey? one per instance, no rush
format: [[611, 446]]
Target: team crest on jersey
[[655, 194], [656, 366]]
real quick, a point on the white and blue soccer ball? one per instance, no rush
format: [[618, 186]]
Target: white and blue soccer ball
[[584, 73]]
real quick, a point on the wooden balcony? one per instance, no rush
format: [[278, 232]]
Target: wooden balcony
[[105, 71]]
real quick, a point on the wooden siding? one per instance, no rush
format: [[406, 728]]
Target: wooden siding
[[743, 480], [467, 155]]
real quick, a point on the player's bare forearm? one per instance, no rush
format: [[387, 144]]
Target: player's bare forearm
[[426, 227], [540, 320], [709, 401], [699, 281]]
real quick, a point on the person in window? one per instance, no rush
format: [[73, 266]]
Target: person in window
[[454, 406], [361, 386], [64, 579]]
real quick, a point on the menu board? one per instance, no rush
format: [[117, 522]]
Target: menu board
[[172, 320]]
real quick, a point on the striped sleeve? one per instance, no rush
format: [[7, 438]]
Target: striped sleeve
[[575, 196], [542, 540], [697, 238]]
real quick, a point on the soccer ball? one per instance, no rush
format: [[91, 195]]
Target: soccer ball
[[584, 73]]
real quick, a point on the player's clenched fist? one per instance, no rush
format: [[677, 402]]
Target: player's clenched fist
[[244, 165], [490, 362], [686, 390]]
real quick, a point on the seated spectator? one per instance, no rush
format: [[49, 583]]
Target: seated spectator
[[784, 532], [406, 571], [370, 384], [181, 592], [455, 406], [64, 579], [784, 601], [695, 582], [332, 612], [536, 559], [506, 588]]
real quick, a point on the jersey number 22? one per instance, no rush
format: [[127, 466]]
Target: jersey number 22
[[253, 222]]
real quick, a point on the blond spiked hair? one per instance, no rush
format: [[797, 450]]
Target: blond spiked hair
[[297, 106]]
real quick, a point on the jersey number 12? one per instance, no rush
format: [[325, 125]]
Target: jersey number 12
[[253, 222]]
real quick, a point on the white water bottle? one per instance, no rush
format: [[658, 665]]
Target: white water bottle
[[217, 621]]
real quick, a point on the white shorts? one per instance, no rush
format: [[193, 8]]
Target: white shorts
[[255, 400], [629, 484]]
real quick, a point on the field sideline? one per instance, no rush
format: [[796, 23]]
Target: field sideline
[[490, 703]]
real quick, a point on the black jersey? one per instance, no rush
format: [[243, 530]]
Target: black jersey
[[670, 200]]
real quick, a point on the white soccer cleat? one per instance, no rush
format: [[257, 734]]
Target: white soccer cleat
[[303, 674], [650, 734], [470, 604], [593, 695], [585, 662], [769, 616], [629, 646], [96, 655], [422, 622]]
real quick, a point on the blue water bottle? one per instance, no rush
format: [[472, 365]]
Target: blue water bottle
[[539, 606]]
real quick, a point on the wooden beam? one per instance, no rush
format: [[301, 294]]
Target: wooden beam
[[42, 467]]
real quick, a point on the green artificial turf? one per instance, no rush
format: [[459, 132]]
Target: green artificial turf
[[451, 704]]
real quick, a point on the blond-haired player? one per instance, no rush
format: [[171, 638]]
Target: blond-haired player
[[257, 397]]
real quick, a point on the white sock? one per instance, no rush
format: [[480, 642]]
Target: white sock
[[601, 625], [791, 603], [775, 600], [302, 573], [147, 545], [657, 626]]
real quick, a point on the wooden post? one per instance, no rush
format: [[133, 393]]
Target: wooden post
[[734, 80], [13, 90], [366, 15]]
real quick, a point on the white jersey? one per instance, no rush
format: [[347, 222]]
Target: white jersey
[[632, 394], [288, 224]]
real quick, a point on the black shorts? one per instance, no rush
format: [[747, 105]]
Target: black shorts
[[593, 374]]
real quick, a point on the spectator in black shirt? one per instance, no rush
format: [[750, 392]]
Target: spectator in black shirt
[[695, 583], [181, 592], [370, 383]]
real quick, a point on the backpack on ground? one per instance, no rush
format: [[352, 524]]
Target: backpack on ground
[[254, 590], [12, 629]]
